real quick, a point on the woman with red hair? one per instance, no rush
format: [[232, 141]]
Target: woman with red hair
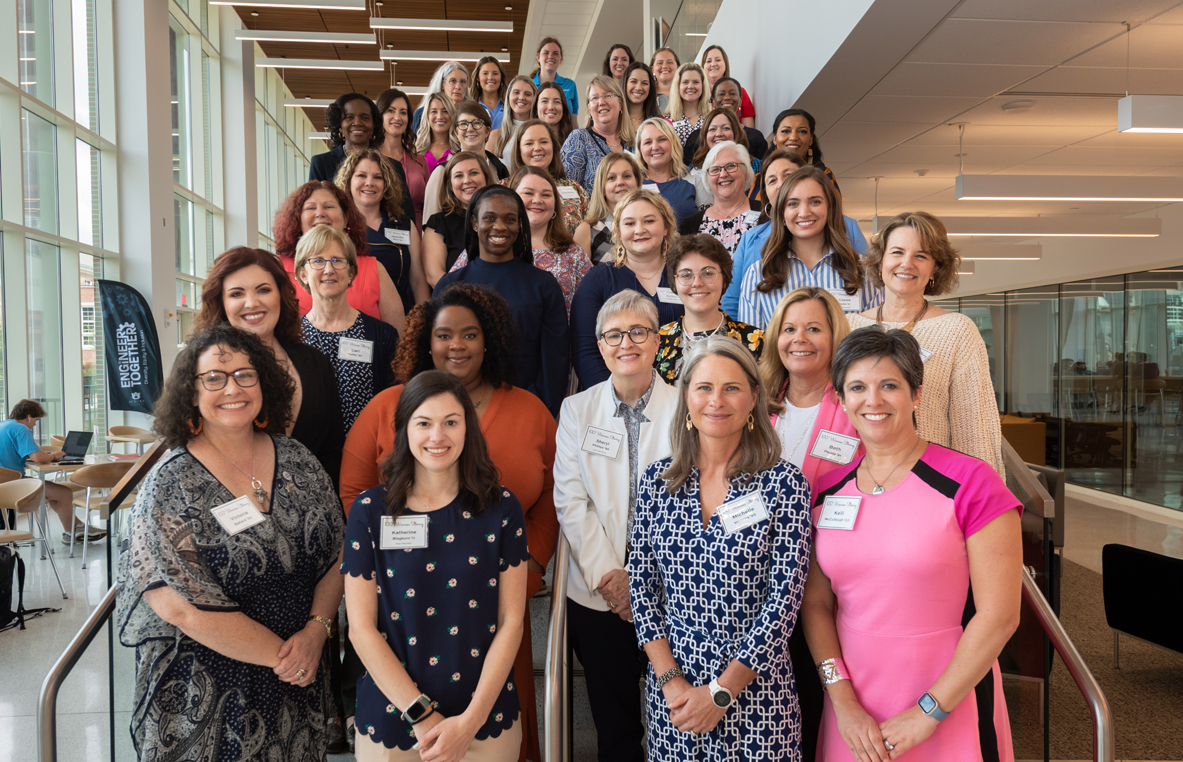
[[321, 203]]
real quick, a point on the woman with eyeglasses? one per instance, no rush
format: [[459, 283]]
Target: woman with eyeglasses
[[608, 130], [449, 80], [728, 169], [229, 585], [720, 124], [699, 270], [471, 131]]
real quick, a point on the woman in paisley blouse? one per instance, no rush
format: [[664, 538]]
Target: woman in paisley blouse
[[699, 271], [435, 565], [229, 586], [720, 550]]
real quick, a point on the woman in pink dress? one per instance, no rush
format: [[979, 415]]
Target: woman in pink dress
[[900, 537]]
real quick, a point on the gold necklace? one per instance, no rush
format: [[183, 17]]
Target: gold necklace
[[261, 496], [910, 324]]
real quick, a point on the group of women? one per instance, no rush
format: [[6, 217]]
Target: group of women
[[483, 327]]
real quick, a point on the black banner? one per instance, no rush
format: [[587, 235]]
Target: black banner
[[135, 376]]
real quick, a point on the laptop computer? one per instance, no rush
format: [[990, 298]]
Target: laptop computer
[[77, 443]]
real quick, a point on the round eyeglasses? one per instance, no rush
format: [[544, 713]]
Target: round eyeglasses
[[709, 276]]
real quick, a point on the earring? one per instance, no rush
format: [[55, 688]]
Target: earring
[[262, 425], [751, 422], [689, 423], [932, 283], [195, 430], [553, 215], [810, 156]]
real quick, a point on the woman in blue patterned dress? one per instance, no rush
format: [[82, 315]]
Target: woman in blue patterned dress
[[446, 544], [719, 554]]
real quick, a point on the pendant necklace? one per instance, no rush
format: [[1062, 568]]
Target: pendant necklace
[[879, 488], [261, 496], [689, 339]]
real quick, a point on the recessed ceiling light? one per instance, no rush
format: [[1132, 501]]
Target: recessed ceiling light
[[920, 172], [440, 25], [254, 13], [1018, 106], [390, 45], [399, 82], [505, 50], [509, 7]]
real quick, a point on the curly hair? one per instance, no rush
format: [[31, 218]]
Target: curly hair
[[213, 309], [336, 112], [392, 191], [287, 229], [492, 313], [175, 411], [934, 240], [384, 101]]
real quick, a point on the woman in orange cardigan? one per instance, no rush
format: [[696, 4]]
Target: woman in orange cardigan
[[467, 331]]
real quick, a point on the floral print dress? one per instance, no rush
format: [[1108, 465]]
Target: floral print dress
[[672, 341]]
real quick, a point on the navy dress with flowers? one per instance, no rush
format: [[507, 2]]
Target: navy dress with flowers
[[437, 607]]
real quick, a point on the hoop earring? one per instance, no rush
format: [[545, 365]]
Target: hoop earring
[[689, 423], [932, 283], [554, 214], [196, 430], [751, 422], [809, 158], [262, 425]]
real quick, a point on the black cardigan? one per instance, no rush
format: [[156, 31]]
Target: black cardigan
[[324, 166], [319, 425]]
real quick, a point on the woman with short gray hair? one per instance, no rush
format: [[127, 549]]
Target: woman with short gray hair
[[884, 622], [719, 552]]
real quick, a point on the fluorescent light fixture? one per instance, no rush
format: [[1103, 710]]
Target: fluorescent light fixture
[[441, 25], [414, 90], [327, 5], [1079, 226], [694, 34], [1068, 188], [1150, 113], [319, 63], [965, 268], [307, 102], [318, 136], [1002, 251], [274, 35], [439, 55]]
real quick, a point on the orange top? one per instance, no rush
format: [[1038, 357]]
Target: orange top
[[362, 295], [520, 433]]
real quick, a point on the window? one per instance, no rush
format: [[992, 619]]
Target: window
[[90, 211], [35, 48], [43, 307], [86, 90], [178, 43], [40, 172], [94, 378], [183, 219]]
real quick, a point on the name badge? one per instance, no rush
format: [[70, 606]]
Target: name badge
[[357, 350], [238, 515], [925, 354], [666, 295], [650, 185], [742, 512], [834, 447], [839, 513], [405, 533], [599, 441], [568, 192], [398, 237], [849, 302]]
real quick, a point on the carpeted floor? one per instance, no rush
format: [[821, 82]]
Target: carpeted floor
[[1145, 695]]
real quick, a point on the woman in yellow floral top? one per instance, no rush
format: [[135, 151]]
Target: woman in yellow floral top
[[699, 270]]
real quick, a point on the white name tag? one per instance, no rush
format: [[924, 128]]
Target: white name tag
[[407, 532], [925, 354], [839, 513], [849, 302], [742, 512], [398, 237], [834, 447], [650, 185], [357, 350], [666, 295], [599, 441], [238, 515], [568, 192]]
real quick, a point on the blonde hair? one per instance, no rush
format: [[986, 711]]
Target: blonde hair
[[508, 126], [597, 206], [759, 447], [424, 135], [663, 208], [316, 241], [392, 193], [624, 125], [677, 107], [772, 370], [677, 166], [934, 239]]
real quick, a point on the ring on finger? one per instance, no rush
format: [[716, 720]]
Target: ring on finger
[[300, 673], [890, 746]]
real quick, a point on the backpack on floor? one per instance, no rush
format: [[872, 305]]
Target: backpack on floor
[[12, 569]]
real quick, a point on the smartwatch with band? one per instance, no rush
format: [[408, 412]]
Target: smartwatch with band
[[720, 695], [419, 709], [929, 706]]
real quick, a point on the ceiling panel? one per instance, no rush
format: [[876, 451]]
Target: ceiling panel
[[1104, 80], [890, 133], [1051, 111], [912, 78], [1064, 10], [1007, 135], [1101, 156], [919, 154], [1151, 46], [1030, 43], [880, 108]]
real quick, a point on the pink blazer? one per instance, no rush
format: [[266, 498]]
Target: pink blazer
[[831, 417]]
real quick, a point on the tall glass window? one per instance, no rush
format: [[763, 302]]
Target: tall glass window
[[3, 349], [94, 379], [40, 172], [34, 26], [178, 43], [43, 306], [86, 90], [207, 124], [183, 219], [90, 205]]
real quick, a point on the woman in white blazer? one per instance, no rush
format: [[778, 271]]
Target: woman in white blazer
[[607, 435]]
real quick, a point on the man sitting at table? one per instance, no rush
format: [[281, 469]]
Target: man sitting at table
[[17, 445]]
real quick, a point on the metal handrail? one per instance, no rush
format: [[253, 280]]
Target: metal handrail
[[47, 706], [556, 685], [1026, 479], [1103, 740]]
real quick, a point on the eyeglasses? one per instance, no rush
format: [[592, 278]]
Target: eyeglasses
[[709, 276], [597, 98], [455, 81], [469, 125], [216, 380], [730, 168], [318, 263], [635, 335]]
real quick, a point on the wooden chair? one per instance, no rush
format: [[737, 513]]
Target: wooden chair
[[131, 431], [57, 441], [100, 476], [24, 496]]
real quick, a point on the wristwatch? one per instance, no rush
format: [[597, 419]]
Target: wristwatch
[[929, 706], [418, 709], [720, 695]]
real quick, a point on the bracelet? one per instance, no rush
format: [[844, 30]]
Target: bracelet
[[669, 675], [328, 623], [430, 711], [831, 671]]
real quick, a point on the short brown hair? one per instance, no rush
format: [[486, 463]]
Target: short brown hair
[[702, 244], [934, 239], [26, 408]]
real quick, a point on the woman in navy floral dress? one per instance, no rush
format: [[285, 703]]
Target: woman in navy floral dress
[[446, 545], [719, 554]]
